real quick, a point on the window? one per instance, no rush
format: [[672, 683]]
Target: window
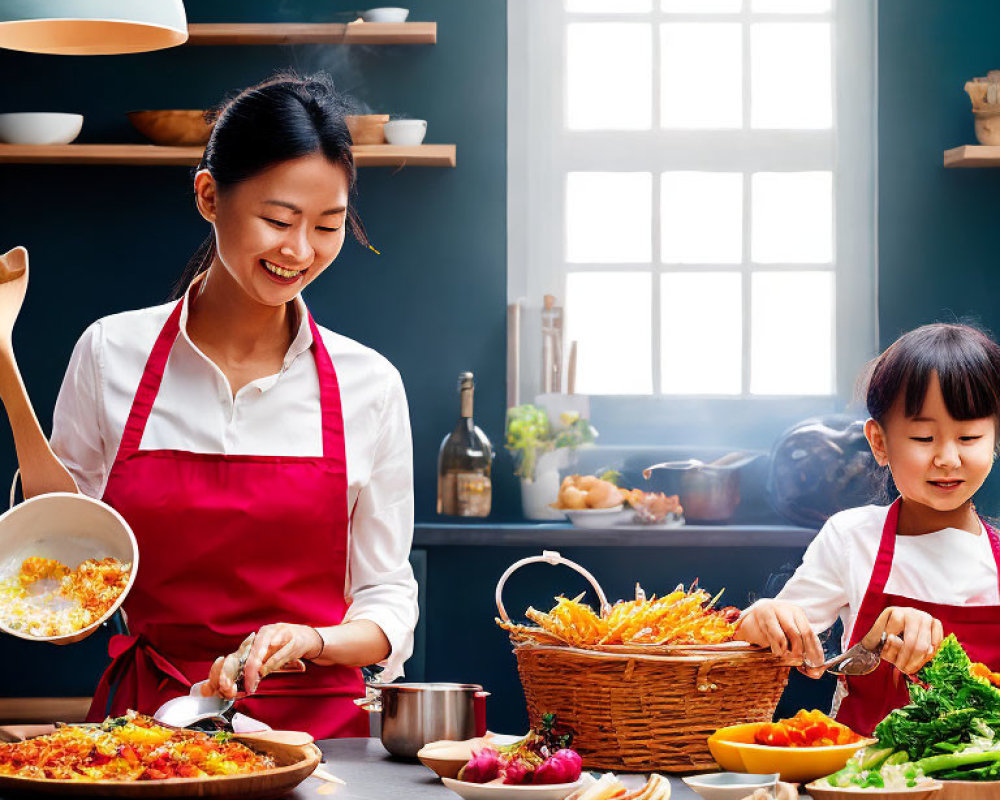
[[694, 181]]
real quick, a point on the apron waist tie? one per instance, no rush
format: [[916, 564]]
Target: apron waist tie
[[130, 653]]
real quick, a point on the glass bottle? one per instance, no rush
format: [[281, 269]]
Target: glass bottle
[[464, 463]]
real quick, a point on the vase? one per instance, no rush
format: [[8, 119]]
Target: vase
[[538, 493]]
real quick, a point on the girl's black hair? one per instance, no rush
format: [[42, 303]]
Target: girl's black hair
[[283, 118], [967, 363]]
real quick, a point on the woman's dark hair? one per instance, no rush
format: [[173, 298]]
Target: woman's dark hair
[[283, 118], [967, 363]]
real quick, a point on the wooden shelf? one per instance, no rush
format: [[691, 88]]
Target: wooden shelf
[[307, 33], [972, 155], [368, 155]]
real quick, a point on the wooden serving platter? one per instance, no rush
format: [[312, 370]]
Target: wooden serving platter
[[294, 752]]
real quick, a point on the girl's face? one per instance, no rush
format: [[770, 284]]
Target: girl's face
[[935, 459], [277, 231]]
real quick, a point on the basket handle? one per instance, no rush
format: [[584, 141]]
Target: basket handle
[[553, 558], [13, 487]]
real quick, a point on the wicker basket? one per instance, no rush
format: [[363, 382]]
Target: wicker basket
[[643, 708]]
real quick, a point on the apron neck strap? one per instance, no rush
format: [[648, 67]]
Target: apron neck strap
[[156, 364]]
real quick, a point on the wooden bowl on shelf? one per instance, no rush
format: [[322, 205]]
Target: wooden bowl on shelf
[[173, 127], [367, 128]]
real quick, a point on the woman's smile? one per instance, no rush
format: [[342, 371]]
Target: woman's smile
[[281, 274]]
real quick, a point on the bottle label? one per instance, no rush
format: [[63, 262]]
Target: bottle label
[[473, 494]]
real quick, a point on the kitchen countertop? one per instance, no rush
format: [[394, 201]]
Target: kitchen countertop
[[371, 774]]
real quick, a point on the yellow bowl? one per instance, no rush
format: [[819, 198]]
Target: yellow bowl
[[734, 749]]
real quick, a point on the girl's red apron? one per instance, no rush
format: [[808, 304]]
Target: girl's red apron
[[230, 543], [871, 697]]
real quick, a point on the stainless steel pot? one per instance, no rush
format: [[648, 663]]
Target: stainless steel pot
[[708, 492], [414, 714]]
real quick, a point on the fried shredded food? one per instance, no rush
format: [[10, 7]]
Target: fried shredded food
[[69, 599], [683, 617], [129, 748]]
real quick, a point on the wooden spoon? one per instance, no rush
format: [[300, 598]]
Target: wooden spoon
[[41, 471]]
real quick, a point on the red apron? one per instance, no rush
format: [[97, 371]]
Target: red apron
[[230, 543], [871, 697]]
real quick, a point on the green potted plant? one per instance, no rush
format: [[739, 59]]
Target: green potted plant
[[540, 449]]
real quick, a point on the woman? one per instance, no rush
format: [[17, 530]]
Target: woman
[[263, 463]]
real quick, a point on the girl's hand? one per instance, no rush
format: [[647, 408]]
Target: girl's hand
[[267, 651], [912, 637], [13, 286], [784, 628]]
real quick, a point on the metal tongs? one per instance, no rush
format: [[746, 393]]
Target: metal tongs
[[857, 660]]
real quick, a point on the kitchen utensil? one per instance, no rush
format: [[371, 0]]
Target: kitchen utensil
[[734, 748], [405, 132], [414, 714], [173, 127], [366, 128], [731, 785], [69, 528], [39, 127], [856, 660], [709, 492], [385, 14], [188, 710]]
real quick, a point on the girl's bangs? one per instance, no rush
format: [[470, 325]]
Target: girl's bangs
[[966, 372]]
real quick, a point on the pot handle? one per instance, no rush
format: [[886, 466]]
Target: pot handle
[[553, 558], [370, 704], [479, 710]]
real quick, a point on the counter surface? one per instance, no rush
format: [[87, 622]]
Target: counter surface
[[372, 775]]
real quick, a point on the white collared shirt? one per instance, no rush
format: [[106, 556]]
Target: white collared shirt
[[276, 415]]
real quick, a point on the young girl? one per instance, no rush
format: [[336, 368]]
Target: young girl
[[263, 462], [924, 566]]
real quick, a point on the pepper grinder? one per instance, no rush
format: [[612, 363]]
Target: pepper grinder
[[552, 328]]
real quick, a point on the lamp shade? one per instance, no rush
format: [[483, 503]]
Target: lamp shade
[[91, 27]]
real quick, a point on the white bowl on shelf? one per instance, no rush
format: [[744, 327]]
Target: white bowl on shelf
[[385, 14], [598, 517], [39, 127], [405, 132]]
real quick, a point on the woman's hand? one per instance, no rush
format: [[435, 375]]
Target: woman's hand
[[267, 651], [912, 637], [784, 628]]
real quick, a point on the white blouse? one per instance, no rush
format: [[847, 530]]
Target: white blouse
[[276, 415], [950, 566]]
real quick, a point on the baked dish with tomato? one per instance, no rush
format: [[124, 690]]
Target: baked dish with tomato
[[129, 748]]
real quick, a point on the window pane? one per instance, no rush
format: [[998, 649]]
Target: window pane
[[701, 217], [609, 217], [701, 333], [608, 314], [791, 333], [791, 84], [609, 76], [792, 217], [701, 6], [702, 84], [609, 6], [790, 6]]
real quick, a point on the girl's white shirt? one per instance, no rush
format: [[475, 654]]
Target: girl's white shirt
[[949, 567], [276, 415]]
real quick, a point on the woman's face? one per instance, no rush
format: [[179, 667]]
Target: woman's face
[[277, 231], [935, 459]]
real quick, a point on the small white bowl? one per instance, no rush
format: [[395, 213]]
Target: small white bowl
[[385, 14], [405, 132], [729, 785], [598, 517], [503, 791], [40, 127]]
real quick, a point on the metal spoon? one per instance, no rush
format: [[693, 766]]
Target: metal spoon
[[188, 710]]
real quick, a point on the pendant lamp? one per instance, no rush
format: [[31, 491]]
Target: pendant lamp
[[91, 27]]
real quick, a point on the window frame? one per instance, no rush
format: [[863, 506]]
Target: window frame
[[541, 152]]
